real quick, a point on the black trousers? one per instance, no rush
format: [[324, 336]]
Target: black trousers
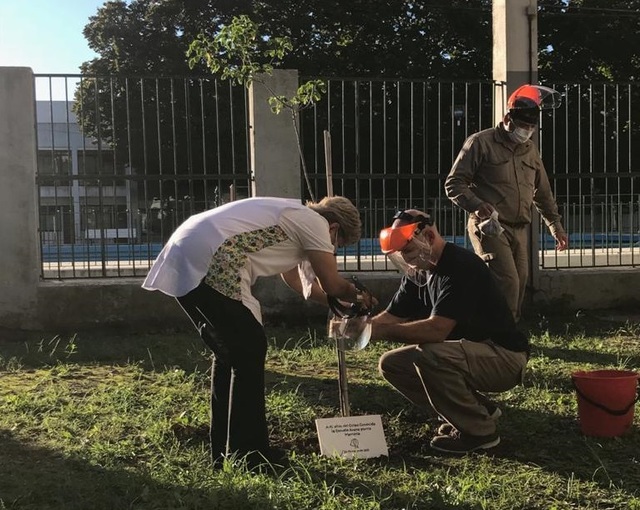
[[239, 345]]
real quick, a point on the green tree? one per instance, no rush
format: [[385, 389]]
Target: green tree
[[135, 98], [123, 102], [426, 39], [237, 52], [589, 40], [129, 99]]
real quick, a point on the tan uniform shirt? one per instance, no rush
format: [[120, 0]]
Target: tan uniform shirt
[[511, 177]]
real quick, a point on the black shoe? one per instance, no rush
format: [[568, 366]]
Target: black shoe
[[277, 456], [459, 442], [264, 459], [446, 428]]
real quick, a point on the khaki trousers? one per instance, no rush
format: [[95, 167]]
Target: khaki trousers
[[508, 259], [447, 376]]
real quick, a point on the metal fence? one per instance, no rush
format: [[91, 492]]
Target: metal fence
[[591, 149], [150, 152], [153, 151], [392, 144]]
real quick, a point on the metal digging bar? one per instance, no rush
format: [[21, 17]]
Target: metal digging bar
[[338, 309], [343, 384], [344, 312]]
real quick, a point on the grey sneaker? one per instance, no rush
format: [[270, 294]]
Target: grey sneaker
[[446, 428], [458, 442]]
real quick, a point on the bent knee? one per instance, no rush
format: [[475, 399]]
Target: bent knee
[[397, 360]]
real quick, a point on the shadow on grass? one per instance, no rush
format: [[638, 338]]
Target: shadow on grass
[[33, 477], [549, 441], [587, 357], [557, 444], [594, 323], [153, 351]]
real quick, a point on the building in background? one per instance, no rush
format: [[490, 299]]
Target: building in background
[[84, 194]]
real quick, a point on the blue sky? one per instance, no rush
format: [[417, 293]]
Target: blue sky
[[45, 35]]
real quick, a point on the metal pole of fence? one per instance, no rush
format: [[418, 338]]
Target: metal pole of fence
[[343, 384], [327, 162]]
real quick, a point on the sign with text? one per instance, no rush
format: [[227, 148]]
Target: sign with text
[[352, 436]]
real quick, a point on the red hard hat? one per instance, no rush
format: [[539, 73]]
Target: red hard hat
[[526, 96], [526, 102], [534, 96]]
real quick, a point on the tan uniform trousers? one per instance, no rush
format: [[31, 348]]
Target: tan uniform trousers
[[448, 376], [508, 259]]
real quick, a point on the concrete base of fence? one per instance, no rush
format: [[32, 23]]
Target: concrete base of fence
[[587, 289], [68, 305], [72, 305]]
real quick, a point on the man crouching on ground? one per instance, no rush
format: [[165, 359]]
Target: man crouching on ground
[[460, 334]]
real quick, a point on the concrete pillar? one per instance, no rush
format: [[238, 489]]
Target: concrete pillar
[[515, 45], [275, 162], [19, 256]]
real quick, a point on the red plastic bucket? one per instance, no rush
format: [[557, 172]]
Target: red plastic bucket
[[606, 401]]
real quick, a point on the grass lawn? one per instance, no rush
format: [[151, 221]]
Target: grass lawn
[[116, 420]]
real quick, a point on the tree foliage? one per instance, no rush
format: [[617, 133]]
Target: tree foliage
[[237, 53], [426, 39], [434, 39], [589, 40], [125, 104]]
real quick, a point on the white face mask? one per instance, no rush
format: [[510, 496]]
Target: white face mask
[[521, 135]]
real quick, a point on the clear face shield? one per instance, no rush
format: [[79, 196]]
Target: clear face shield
[[525, 105], [412, 270], [538, 96], [549, 98], [407, 247]]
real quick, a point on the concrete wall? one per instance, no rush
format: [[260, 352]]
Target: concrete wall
[[122, 302], [26, 302], [275, 161], [73, 305], [19, 262]]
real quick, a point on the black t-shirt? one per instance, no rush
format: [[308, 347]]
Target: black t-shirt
[[461, 288]]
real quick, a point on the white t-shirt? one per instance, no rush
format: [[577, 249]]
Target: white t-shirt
[[230, 246]]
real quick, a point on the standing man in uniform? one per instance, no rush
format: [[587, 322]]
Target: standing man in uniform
[[497, 176]]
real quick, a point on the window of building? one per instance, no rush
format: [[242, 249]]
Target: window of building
[[101, 163], [54, 162], [56, 224], [104, 217]]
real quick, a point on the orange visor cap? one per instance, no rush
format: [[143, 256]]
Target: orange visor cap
[[396, 238]]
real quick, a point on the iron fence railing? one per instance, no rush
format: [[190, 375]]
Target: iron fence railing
[[590, 147], [123, 160], [393, 143]]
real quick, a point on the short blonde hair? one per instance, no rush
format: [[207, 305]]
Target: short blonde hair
[[340, 210]]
